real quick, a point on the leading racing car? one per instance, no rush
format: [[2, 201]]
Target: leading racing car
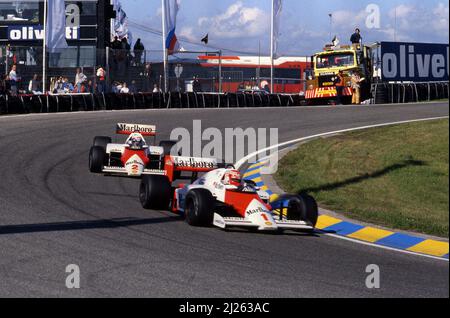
[[221, 198]]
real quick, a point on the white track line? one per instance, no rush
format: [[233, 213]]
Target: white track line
[[81, 113], [241, 162]]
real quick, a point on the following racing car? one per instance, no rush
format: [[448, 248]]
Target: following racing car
[[221, 198], [134, 158]]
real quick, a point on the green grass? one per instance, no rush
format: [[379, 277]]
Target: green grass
[[392, 176]]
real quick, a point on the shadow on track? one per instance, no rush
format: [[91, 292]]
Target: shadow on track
[[83, 225]]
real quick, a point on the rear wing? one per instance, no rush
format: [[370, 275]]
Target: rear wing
[[174, 164], [128, 129]]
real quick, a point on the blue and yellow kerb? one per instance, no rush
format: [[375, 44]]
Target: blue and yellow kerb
[[359, 232]]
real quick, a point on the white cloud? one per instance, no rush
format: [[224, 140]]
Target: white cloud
[[188, 33], [237, 21], [440, 22], [346, 19]]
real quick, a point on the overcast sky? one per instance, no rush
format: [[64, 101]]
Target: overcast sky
[[241, 24]]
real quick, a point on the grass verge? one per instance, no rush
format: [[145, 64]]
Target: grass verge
[[395, 176]]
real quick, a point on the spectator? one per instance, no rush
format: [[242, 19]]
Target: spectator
[[147, 77], [90, 87], [133, 88], [34, 85], [101, 80], [138, 51], [196, 85], [80, 79], [124, 89], [340, 84], [156, 89], [356, 38], [13, 79]]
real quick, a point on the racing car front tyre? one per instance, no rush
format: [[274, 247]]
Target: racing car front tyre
[[101, 141], [304, 208], [155, 192], [97, 157], [199, 208]]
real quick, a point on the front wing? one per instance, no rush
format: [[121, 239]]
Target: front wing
[[227, 222], [118, 171]]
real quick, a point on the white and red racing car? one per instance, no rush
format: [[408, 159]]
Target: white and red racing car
[[221, 198], [134, 158]]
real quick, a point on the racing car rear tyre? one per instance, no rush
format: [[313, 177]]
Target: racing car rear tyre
[[303, 207], [97, 157], [155, 192], [199, 208]]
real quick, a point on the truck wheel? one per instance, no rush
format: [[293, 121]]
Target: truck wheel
[[303, 208], [155, 192], [199, 208], [97, 159], [103, 142]]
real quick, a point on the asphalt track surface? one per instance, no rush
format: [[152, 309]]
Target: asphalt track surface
[[53, 212]]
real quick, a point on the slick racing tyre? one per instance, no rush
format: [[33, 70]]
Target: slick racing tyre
[[102, 142], [199, 208], [97, 158], [303, 207], [155, 192]]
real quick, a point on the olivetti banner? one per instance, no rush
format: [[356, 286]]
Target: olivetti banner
[[414, 62]]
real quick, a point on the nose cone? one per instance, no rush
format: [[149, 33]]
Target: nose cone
[[134, 166], [258, 214]]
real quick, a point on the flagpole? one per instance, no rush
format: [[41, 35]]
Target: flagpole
[[166, 55], [44, 51], [271, 46]]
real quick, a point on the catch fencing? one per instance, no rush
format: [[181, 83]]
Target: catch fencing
[[390, 93], [96, 102]]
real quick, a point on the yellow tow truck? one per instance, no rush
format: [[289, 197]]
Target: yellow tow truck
[[321, 89]]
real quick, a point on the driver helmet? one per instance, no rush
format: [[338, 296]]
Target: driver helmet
[[232, 177], [136, 142]]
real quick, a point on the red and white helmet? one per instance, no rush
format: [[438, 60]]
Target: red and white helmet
[[232, 177], [136, 142]]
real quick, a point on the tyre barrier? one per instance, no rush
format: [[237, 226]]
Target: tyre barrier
[[24, 104], [390, 93]]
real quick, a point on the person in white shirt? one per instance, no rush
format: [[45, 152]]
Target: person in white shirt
[[13, 78], [124, 89], [80, 78], [156, 89]]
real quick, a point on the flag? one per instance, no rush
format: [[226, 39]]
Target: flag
[[335, 41], [55, 29], [121, 29], [171, 8], [277, 9], [206, 39]]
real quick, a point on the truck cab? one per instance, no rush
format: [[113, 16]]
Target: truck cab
[[326, 65]]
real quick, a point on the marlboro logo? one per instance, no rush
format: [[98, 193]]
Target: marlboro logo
[[127, 129], [194, 163]]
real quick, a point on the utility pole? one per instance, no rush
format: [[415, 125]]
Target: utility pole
[[44, 51], [272, 46], [165, 51]]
